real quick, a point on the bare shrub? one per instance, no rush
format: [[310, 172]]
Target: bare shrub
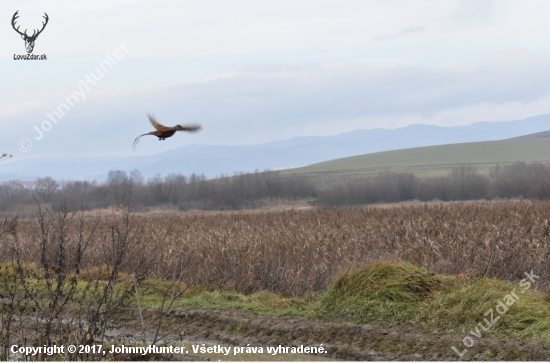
[[161, 189], [46, 297], [13, 193], [384, 188], [514, 181], [46, 188], [77, 194], [12, 298], [119, 185], [465, 183], [540, 186]]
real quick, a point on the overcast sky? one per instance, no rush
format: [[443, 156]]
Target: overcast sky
[[259, 71]]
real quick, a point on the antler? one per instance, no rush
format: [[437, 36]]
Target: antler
[[43, 24], [15, 16], [34, 34]]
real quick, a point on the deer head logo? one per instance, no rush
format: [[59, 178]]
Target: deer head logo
[[29, 40]]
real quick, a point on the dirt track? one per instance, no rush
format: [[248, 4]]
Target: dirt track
[[342, 340]]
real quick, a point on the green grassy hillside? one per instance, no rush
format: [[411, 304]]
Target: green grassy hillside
[[428, 161]]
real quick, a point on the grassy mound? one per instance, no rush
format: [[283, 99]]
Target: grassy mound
[[401, 294], [466, 305], [379, 292]]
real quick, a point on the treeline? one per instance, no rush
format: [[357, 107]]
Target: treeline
[[242, 190], [252, 190], [518, 180]]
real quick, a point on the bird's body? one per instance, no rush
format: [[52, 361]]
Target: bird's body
[[163, 132], [5, 156]]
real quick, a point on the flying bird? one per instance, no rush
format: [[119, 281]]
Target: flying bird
[[5, 156], [163, 131]]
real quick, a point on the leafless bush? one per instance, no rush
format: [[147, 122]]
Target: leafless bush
[[515, 180], [46, 188], [11, 194], [385, 188], [77, 194], [12, 296], [49, 292]]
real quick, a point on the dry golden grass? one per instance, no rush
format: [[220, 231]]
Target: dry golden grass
[[294, 252]]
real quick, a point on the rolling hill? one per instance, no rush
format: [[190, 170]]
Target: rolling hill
[[538, 135], [430, 161]]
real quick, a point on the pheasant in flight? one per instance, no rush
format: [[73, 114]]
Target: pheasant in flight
[[5, 156], [163, 131]]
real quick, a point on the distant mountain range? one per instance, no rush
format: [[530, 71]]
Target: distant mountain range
[[214, 160]]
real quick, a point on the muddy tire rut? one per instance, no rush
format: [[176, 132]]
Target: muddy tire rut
[[342, 340]]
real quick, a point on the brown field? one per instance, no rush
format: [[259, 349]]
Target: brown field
[[295, 252], [80, 278]]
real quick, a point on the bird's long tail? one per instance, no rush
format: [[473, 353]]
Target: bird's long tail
[[136, 141]]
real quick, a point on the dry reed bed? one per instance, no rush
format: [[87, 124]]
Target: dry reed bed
[[296, 252]]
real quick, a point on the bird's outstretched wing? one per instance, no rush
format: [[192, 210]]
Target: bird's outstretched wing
[[155, 123], [5, 156], [190, 128]]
